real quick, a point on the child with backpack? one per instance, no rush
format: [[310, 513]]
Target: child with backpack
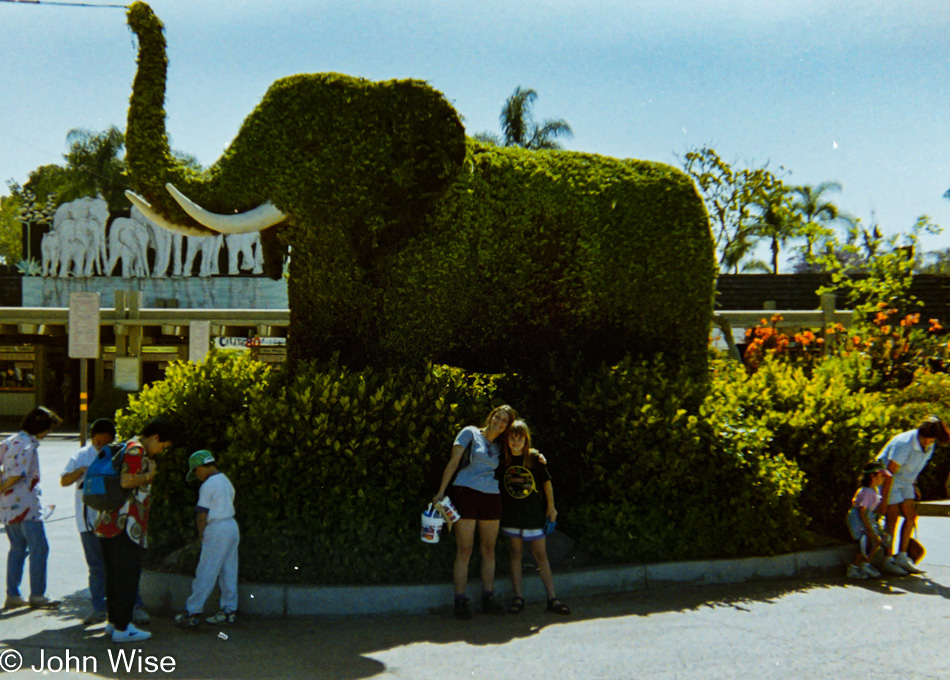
[[219, 536], [101, 434]]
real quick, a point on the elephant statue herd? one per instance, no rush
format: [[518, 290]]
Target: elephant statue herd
[[83, 242]]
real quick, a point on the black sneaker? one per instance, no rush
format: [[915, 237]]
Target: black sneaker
[[186, 620], [489, 606], [462, 611]]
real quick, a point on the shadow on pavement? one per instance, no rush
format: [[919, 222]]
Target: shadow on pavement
[[341, 648]]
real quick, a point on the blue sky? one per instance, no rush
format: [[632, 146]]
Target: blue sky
[[777, 81]]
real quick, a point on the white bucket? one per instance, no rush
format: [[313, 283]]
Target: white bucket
[[449, 513], [431, 525]]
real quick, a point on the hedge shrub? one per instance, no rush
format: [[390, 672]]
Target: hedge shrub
[[411, 244], [333, 467], [827, 428], [202, 399], [664, 483]]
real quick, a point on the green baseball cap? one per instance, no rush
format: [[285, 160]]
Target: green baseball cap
[[202, 457]]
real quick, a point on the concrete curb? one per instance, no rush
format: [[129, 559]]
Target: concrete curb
[[168, 592]]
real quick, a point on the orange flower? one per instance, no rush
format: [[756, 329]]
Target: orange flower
[[935, 325]]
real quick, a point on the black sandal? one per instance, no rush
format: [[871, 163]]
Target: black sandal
[[557, 607], [517, 606]]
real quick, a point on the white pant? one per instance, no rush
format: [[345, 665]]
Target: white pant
[[218, 562]]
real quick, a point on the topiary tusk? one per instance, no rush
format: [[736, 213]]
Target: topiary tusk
[[261, 217], [150, 213]]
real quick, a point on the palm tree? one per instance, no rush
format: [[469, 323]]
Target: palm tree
[[518, 127], [815, 212], [96, 165]]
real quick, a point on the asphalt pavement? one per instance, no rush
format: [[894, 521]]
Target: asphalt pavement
[[824, 627]]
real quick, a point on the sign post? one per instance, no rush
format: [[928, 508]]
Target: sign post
[[83, 345]]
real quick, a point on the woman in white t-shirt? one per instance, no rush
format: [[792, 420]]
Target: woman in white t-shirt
[[476, 496]]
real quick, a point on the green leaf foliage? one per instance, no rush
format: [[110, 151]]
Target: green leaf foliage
[[333, 468], [827, 428], [667, 483], [533, 254], [202, 399], [412, 244]]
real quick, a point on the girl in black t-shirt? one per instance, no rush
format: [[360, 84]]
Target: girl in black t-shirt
[[527, 498]]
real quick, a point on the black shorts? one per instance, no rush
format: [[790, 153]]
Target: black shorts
[[473, 504]]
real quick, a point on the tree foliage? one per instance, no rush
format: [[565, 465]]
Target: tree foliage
[[519, 128], [94, 165], [873, 270], [744, 205], [11, 249]]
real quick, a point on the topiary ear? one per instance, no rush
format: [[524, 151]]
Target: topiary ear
[[420, 150]]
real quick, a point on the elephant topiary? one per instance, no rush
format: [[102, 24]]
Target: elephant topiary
[[409, 242]]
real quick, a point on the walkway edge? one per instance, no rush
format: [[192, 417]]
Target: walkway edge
[[168, 592]]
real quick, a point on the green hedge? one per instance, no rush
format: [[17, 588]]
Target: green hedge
[[827, 428], [412, 245], [666, 483], [335, 467], [534, 254], [202, 399]]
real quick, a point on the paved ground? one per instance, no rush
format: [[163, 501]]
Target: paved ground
[[827, 628]]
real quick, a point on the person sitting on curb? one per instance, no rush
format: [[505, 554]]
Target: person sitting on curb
[[863, 521], [905, 457]]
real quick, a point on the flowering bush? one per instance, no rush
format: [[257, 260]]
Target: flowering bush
[[767, 340], [892, 349]]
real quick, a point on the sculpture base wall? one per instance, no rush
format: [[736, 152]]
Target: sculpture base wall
[[217, 292]]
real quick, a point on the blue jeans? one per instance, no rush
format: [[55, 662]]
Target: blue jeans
[[27, 538], [92, 549], [97, 570]]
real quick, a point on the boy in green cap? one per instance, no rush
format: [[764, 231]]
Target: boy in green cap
[[219, 536]]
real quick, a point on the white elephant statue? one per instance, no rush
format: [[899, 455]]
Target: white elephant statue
[[49, 247], [209, 247], [81, 225], [166, 244], [128, 241], [248, 247], [97, 219]]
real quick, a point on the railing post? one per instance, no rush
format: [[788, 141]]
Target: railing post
[[827, 317]]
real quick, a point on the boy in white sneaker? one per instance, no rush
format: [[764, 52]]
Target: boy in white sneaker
[[864, 521], [219, 536]]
